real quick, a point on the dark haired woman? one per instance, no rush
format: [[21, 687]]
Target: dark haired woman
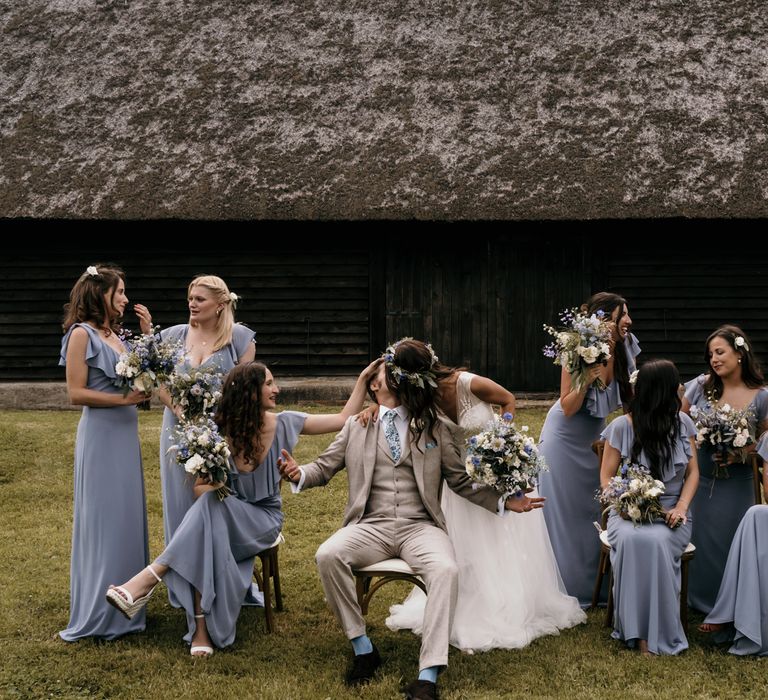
[[500, 603], [725, 490], [571, 426], [208, 563], [109, 531], [646, 558]]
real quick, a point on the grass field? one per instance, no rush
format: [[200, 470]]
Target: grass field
[[307, 657]]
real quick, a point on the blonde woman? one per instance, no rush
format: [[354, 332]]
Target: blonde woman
[[212, 340]]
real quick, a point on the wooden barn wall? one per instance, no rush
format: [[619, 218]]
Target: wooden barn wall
[[483, 306], [678, 295], [327, 311], [309, 308]]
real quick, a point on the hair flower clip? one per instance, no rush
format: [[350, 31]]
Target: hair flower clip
[[93, 272], [633, 377], [741, 343]]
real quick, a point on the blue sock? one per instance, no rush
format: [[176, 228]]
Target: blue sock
[[362, 645], [429, 674]]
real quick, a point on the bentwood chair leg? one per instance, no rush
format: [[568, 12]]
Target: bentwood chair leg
[[276, 580], [267, 573]]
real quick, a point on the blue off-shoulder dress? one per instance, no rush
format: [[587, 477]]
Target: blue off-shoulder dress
[[718, 508], [646, 558], [213, 548], [742, 602], [176, 486], [572, 481], [109, 530]]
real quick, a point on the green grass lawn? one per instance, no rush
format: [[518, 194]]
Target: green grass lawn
[[308, 655]]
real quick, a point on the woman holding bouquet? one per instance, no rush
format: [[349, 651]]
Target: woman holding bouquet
[[646, 558], [212, 342], [208, 562], [109, 532], [726, 487], [571, 426], [500, 604]]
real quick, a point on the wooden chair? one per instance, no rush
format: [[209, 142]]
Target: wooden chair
[[386, 571], [269, 576], [604, 565]]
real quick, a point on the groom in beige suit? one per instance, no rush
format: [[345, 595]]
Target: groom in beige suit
[[395, 474]]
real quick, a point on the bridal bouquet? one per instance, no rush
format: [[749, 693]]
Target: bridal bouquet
[[579, 344], [147, 363], [195, 390], [634, 494], [503, 457], [727, 430], [203, 453]]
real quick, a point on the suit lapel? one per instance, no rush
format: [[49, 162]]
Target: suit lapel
[[418, 455], [369, 454]]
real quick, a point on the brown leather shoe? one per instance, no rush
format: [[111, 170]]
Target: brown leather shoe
[[421, 690], [363, 667]]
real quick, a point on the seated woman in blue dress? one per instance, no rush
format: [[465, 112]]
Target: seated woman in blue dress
[[726, 491], [646, 558], [208, 563], [740, 615]]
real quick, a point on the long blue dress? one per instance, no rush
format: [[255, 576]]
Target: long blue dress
[[109, 531], [646, 558], [214, 546], [742, 602], [572, 481], [176, 486], [718, 507]]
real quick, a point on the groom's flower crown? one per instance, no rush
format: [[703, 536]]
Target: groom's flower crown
[[417, 378]]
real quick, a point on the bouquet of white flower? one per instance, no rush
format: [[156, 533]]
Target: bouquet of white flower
[[203, 453], [727, 430], [580, 344], [195, 390], [504, 458], [634, 494], [147, 363]]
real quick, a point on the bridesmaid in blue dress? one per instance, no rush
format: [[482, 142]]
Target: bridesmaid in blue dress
[[646, 558], [208, 563], [211, 340], [109, 532], [571, 426], [740, 614], [734, 378]]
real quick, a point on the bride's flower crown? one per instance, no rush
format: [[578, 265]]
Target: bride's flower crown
[[417, 378]]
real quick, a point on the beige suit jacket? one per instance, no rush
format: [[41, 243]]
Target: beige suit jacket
[[355, 449]]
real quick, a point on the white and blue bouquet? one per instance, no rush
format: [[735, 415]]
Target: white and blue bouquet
[[203, 453], [634, 494], [580, 344], [196, 391], [503, 457], [726, 430], [148, 362]]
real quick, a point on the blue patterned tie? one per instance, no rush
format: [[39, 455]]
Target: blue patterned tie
[[393, 437]]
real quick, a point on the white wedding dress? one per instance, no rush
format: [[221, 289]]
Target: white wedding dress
[[510, 591]]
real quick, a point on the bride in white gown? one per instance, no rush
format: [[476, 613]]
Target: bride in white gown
[[510, 591]]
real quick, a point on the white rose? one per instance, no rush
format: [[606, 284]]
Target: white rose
[[588, 354], [204, 440], [193, 464], [143, 383], [740, 440], [633, 512]]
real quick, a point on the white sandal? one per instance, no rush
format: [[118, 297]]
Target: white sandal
[[120, 598], [202, 651]]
